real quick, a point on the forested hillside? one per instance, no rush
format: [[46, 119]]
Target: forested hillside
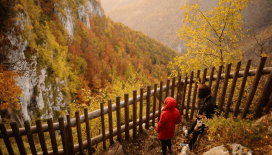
[[162, 19], [66, 51]]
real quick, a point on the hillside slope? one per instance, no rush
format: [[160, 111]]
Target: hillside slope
[[65, 47], [162, 19]]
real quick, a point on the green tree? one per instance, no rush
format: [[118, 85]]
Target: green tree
[[211, 36]]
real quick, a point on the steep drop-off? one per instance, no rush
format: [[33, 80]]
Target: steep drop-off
[[65, 47], [162, 19]]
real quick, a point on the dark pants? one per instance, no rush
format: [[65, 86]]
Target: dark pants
[[164, 144], [195, 133]]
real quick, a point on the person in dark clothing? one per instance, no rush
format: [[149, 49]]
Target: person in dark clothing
[[166, 125], [207, 109]]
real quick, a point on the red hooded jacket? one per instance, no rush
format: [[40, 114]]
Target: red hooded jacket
[[169, 117]]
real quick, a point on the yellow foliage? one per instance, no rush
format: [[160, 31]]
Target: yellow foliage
[[210, 36]]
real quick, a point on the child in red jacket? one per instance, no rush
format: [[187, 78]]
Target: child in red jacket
[[166, 126]]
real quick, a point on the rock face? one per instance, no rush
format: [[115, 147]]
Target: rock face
[[115, 149], [238, 149], [219, 150], [39, 95]]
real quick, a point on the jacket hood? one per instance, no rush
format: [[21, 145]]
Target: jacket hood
[[170, 104]]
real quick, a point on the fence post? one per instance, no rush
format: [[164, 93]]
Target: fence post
[[41, 137], [254, 86], [194, 96], [18, 138], [217, 82], [264, 96], [224, 89], [148, 107], [167, 88], [70, 134], [30, 138], [52, 136], [178, 92], [202, 82], [232, 88], [6, 139], [173, 87], [103, 125], [110, 122], [141, 110], [118, 115], [154, 104], [268, 106], [189, 94], [183, 95], [134, 114], [79, 135], [87, 123], [211, 77], [126, 117], [236, 111], [63, 135], [160, 99]]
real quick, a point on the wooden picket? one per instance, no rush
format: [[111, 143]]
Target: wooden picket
[[175, 89]]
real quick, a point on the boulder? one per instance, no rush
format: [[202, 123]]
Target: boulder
[[185, 151], [238, 149], [218, 150], [115, 149]]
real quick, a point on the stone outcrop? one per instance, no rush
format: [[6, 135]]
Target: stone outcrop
[[115, 149], [218, 150]]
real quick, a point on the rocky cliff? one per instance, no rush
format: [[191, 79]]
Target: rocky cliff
[[44, 95]]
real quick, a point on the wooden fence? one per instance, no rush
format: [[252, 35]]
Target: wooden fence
[[176, 88]]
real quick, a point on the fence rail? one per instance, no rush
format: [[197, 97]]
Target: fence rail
[[186, 100]]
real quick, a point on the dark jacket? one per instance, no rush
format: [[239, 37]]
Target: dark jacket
[[207, 108], [169, 117]]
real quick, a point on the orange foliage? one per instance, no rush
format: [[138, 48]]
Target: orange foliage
[[9, 91]]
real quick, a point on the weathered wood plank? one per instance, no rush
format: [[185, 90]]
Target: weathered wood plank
[[79, 134], [134, 114], [148, 107], [238, 66], [264, 96], [41, 137], [127, 116], [154, 103], [30, 138], [18, 138], [254, 86], [70, 134], [118, 115], [194, 97], [167, 88], [211, 79], [202, 82], [215, 92], [160, 99], [178, 91], [241, 92], [87, 123], [224, 89], [269, 105], [141, 110], [183, 95], [52, 136], [189, 94], [173, 86], [63, 136], [103, 124]]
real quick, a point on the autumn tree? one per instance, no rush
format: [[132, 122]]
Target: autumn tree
[[210, 36], [9, 93]]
